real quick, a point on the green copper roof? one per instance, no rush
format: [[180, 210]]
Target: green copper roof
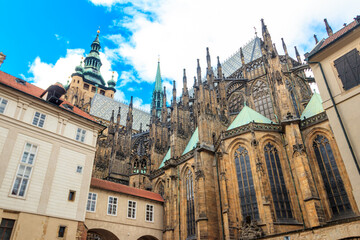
[[247, 115], [167, 157], [313, 107], [192, 142], [158, 79]]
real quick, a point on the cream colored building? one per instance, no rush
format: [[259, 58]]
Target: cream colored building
[[335, 62], [47, 151], [116, 211]]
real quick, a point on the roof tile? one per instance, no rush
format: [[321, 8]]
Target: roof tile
[[120, 188], [35, 91]]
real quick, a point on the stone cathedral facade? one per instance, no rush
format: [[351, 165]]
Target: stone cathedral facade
[[247, 152]]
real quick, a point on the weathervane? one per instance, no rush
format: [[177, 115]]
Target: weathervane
[[255, 31]]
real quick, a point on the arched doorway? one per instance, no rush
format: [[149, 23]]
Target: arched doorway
[[148, 237], [100, 234]]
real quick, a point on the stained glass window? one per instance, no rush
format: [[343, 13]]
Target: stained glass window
[[247, 194], [334, 186], [277, 183], [190, 212], [262, 99]]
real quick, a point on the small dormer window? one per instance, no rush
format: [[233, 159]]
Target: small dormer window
[[86, 86], [20, 81], [93, 89], [102, 92], [68, 107]]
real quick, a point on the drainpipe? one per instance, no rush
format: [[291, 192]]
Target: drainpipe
[[221, 209], [339, 117]]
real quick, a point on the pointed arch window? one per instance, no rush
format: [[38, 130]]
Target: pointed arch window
[[161, 189], [334, 186], [277, 183], [262, 99], [190, 211], [247, 193], [236, 102]]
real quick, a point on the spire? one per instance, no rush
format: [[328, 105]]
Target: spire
[[129, 119], [158, 79], [112, 117], [297, 55], [316, 40], [157, 93], [242, 57], [275, 50], [219, 68], [164, 98], [208, 60], [198, 72], [185, 89], [328, 28], [174, 93], [195, 84], [263, 26], [284, 46], [118, 116]]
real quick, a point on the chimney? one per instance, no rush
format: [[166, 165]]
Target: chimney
[[2, 58]]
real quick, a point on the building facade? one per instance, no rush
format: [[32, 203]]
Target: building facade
[[116, 211], [47, 149], [246, 153], [335, 62]]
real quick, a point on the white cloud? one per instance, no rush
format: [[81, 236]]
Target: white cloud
[[45, 74], [57, 36], [183, 29], [138, 103]]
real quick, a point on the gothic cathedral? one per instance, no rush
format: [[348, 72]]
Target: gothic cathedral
[[246, 152]]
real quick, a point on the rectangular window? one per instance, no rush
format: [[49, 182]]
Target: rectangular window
[[112, 206], [3, 103], [71, 196], [86, 86], [102, 92], [149, 214], [39, 119], [131, 209], [91, 203], [348, 68], [93, 89], [61, 232], [80, 135], [79, 169], [6, 228], [24, 170]]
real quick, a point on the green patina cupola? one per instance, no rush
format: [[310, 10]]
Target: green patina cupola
[[111, 83], [79, 69], [93, 63], [157, 93]]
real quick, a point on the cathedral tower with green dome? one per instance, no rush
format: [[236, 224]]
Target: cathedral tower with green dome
[[87, 80]]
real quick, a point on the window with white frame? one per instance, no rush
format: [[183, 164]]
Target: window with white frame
[[80, 135], [131, 209], [112, 206], [91, 203], [24, 170], [149, 214], [3, 103], [39, 119]]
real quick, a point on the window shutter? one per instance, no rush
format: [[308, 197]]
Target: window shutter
[[348, 67]]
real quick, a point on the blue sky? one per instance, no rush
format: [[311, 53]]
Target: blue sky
[[44, 40]]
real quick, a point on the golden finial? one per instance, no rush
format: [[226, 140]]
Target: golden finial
[[98, 31]]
